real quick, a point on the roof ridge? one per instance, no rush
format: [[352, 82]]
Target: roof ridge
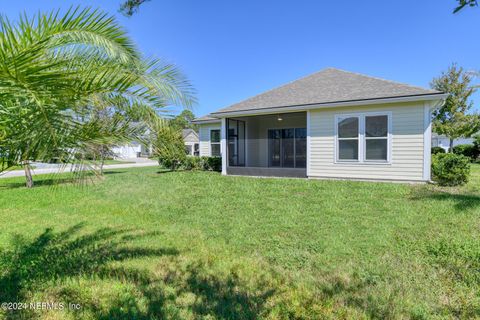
[[381, 79], [280, 86]]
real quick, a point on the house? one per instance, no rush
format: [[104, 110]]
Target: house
[[444, 142], [331, 124], [131, 150], [127, 151], [191, 140]]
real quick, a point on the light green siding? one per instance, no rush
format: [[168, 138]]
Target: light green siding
[[204, 132], [407, 153]]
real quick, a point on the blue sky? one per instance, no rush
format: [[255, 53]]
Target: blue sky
[[231, 50]]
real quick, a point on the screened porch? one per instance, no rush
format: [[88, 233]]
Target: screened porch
[[267, 145]]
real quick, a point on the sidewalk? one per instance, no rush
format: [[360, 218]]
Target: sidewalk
[[140, 162]]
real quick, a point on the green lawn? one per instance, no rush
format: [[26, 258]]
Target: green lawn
[[112, 161], [149, 244], [17, 168]]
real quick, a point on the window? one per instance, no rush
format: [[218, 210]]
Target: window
[[196, 149], [215, 143], [363, 138], [188, 149], [348, 135], [376, 138]]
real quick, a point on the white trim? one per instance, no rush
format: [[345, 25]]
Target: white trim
[[309, 141], [206, 121], [274, 110], [223, 145], [427, 141], [361, 138]]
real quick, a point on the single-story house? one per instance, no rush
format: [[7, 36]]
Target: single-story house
[[130, 151], [192, 142], [331, 124], [444, 142]]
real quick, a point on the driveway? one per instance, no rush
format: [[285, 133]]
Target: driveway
[[46, 168]]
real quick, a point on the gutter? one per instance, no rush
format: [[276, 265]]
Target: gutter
[[206, 121]]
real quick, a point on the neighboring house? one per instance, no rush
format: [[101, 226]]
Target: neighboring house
[[131, 150], [444, 142], [331, 124], [190, 137]]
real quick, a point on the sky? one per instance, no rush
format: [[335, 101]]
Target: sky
[[232, 50]]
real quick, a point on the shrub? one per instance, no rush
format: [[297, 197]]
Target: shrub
[[467, 150], [450, 169], [202, 163], [436, 150], [193, 163], [212, 163], [476, 144], [169, 148]]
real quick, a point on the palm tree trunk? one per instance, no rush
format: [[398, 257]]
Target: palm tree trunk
[[28, 175], [450, 149], [102, 159]]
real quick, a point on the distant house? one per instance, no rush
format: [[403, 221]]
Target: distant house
[[192, 142], [131, 150], [331, 124], [444, 142]]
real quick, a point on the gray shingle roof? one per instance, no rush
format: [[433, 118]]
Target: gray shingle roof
[[205, 118], [186, 132], [327, 86]]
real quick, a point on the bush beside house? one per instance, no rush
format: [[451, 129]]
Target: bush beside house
[[191, 163], [450, 169], [467, 150], [436, 150], [203, 163]]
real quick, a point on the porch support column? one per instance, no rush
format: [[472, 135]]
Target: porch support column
[[223, 145]]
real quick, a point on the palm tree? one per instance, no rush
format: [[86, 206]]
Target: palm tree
[[58, 70]]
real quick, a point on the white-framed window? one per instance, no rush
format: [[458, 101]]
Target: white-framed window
[[215, 143], [348, 138], [363, 137]]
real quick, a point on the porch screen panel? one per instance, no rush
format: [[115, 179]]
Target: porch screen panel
[[300, 147], [241, 143], [274, 146], [236, 142], [288, 148]]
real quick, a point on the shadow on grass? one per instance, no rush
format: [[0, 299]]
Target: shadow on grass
[[461, 201], [54, 180], [33, 268], [162, 171], [108, 172], [37, 183]]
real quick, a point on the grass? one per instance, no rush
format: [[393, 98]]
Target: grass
[[17, 168], [150, 244], [112, 161]]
